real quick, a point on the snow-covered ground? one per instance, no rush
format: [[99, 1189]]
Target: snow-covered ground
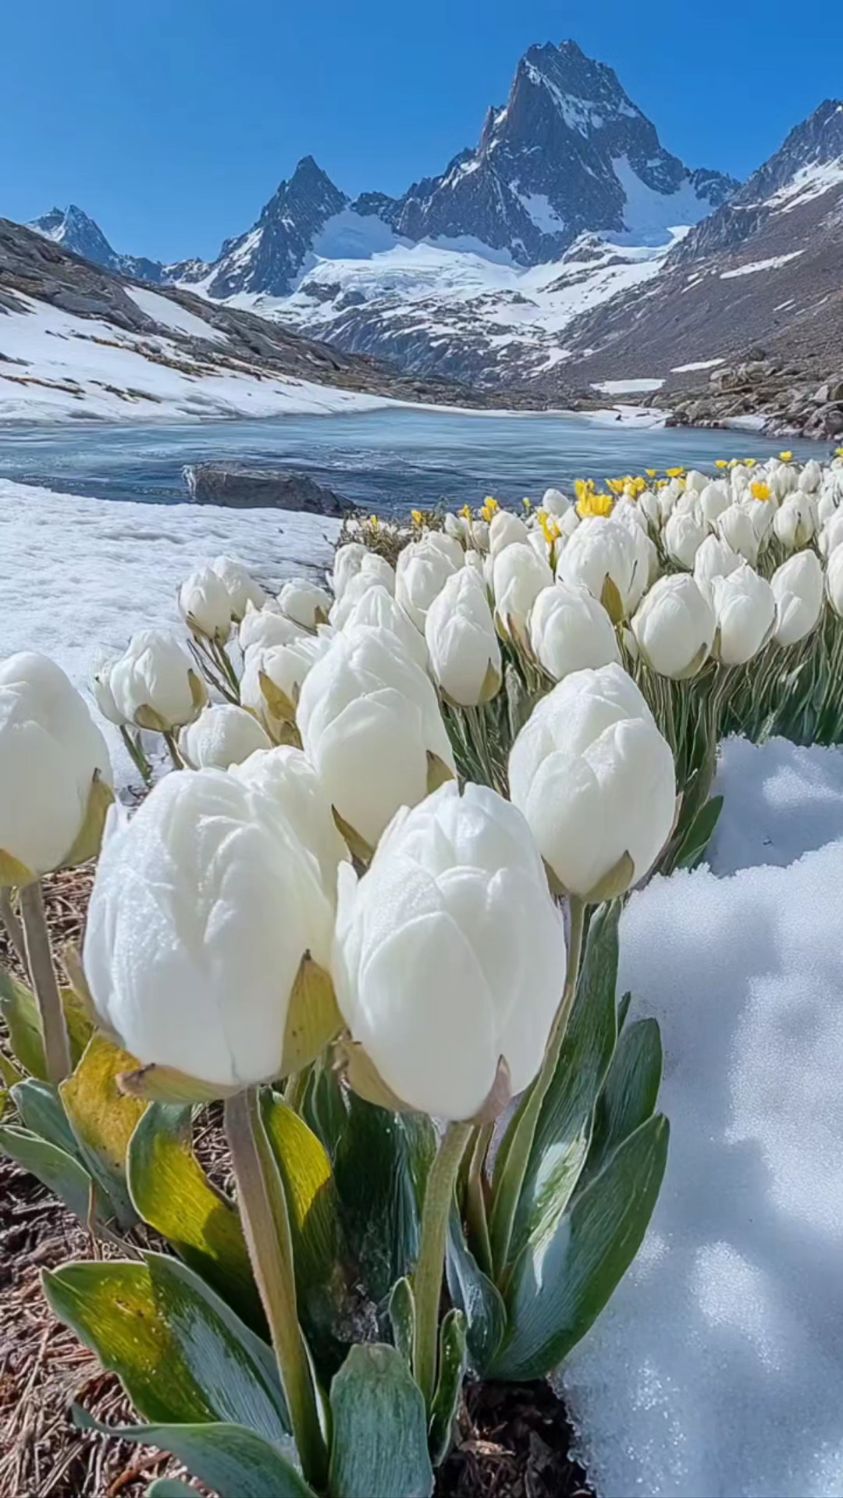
[[717, 1368]]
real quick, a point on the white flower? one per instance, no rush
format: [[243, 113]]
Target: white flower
[[476, 562], [456, 526], [287, 775], [626, 512], [240, 585], [305, 602], [518, 577], [762, 513], [371, 726], [379, 608], [273, 676], [795, 522], [684, 534], [464, 652], [570, 521], [51, 751], [206, 605], [420, 575], [831, 535], [735, 527], [834, 580], [674, 627], [267, 627], [356, 574], [348, 560], [715, 558], [555, 502], [695, 481], [595, 780], [570, 630], [155, 684], [367, 580], [222, 735], [811, 476], [714, 499], [204, 906], [745, 610], [449, 955], [479, 534], [798, 589], [448, 545], [505, 530], [104, 697], [648, 504], [603, 557]]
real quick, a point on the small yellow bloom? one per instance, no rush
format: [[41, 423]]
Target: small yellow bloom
[[721, 463], [760, 490], [549, 526], [374, 522], [489, 508], [786, 457], [616, 485], [749, 462], [651, 472], [465, 512], [583, 487], [417, 517], [527, 503], [675, 473], [595, 505], [838, 452]]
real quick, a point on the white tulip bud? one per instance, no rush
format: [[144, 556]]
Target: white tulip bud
[[798, 589], [555, 502], [684, 534], [155, 684], [745, 610], [834, 580], [460, 632], [714, 499], [287, 776], [735, 527], [518, 577], [826, 508], [479, 534], [448, 545], [449, 956], [596, 782], [420, 575], [795, 523], [273, 676], [260, 627], [371, 726], [221, 736], [104, 697], [305, 602], [379, 608], [811, 476], [206, 918], [674, 627], [715, 558], [626, 512], [52, 758], [240, 585], [831, 535], [604, 557], [570, 630], [456, 526], [570, 521], [476, 562], [536, 541], [505, 530], [762, 513], [348, 560], [205, 604], [696, 481], [648, 504]]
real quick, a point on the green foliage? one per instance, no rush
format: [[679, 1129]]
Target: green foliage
[[379, 1444]]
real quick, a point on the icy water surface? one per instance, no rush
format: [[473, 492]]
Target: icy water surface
[[384, 460]]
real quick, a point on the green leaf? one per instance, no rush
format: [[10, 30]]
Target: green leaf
[[324, 1109], [231, 1459], [171, 1192], [23, 1022], [379, 1447], [168, 1487], [476, 1296], [630, 1092], [402, 1318], [562, 1281], [381, 1168], [103, 1119], [41, 1112], [54, 1167], [563, 1133], [699, 834], [453, 1357], [181, 1353]]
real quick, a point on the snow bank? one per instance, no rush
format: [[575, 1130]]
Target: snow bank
[[81, 575], [718, 1366]]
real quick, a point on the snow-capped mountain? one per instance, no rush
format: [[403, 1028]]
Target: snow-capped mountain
[[74, 230]]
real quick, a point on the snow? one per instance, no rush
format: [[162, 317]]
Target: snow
[[82, 575], [626, 387], [809, 182], [717, 1368], [653, 217], [750, 269], [541, 211], [352, 236], [172, 315], [63, 366], [700, 364]]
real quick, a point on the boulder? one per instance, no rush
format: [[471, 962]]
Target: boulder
[[240, 487]]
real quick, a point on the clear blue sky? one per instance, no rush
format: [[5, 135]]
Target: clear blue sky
[[172, 123]]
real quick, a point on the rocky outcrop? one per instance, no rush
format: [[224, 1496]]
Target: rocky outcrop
[[241, 487], [785, 399]]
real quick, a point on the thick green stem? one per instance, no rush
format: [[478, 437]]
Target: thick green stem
[[39, 958], [172, 749], [266, 1227], [518, 1140], [475, 1197], [427, 1282], [13, 928]]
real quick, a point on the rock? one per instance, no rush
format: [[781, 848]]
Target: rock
[[827, 422], [243, 488]]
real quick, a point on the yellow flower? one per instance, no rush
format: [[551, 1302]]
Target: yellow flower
[[489, 509], [374, 522], [527, 503], [583, 487], [651, 472], [595, 505], [749, 462], [465, 512], [760, 490], [838, 452], [786, 457], [721, 463], [616, 485], [549, 526], [417, 517], [675, 473]]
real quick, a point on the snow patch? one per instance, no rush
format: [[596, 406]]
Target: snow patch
[[809, 182], [172, 315], [753, 266], [626, 387], [700, 364]]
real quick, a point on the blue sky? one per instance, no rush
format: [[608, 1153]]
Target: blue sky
[[172, 123]]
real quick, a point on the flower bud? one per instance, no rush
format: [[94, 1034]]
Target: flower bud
[[460, 633], [603, 557], [379, 608], [240, 586], [674, 627], [449, 957], [735, 527], [798, 590], [273, 676], [596, 782], [811, 476], [54, 770], [448, 545], [555, 502], [305, 602], [154, 683], [287, 776], [371, 727], [714, 499], [795, 522], [715, 558], [834, 580], [260, 627], [518, 576], [207, 930], [348, 560], [570, 630], [222, 735], [505, 530], [745, 610], [420, 575], [104, 697], [684, 534], [205, 605]]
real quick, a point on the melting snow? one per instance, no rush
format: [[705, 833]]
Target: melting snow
[[755, 265], [701, 364], [626, 387], [809, 182], [172, 315]]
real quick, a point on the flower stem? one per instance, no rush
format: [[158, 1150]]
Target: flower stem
[[427, 1282], [139, 759], [175, 757], [39, 959], [13, 928], [475, 1196], [266, 1227], [517, 1143]]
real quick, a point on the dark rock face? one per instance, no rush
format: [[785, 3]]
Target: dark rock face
[[243, 488], [73, 229], [268, 257]]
